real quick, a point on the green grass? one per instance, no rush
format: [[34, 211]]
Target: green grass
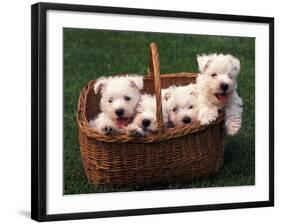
[[89, 54]]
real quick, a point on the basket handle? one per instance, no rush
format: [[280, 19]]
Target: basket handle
[[155, 77]]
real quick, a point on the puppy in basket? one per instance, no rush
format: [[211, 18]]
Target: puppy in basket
[[120, 96], [181, 104], [216, 86], [175, 110], [145, 121]]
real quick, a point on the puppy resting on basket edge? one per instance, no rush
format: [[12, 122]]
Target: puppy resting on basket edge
[[181, 104], [119, 98], [216, 86], [178, 107]]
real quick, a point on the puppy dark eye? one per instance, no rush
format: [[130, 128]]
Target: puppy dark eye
[[214, 74], [191, 106], [127, 98], [175, 109], [110, 100]]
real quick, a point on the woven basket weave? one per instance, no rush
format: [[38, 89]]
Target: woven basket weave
[[171, 155]]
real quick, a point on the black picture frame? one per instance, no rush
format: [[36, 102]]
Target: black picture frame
[[39, 122]]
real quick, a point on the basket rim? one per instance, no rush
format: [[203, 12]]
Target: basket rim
[[167, 134]]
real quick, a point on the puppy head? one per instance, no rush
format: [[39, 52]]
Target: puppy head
[[119, 95], [180, 104], [146, 114], [218, 76]]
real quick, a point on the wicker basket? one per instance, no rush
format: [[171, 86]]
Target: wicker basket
[[171, 155]]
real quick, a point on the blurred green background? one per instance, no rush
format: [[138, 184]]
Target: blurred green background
[[89, 54]]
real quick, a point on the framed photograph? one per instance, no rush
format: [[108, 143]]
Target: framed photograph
[[139, 111]]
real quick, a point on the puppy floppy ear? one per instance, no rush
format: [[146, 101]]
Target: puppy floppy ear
[[136, 82], [100, 85], [235, 65], [203, 62]]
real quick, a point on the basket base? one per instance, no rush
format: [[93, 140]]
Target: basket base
[[148, 179]]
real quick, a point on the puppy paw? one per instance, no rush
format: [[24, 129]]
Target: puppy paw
[[208, 116], [108, 130], [136, 132], [232, 128]]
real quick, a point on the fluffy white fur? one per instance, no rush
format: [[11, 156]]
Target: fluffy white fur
[[145, 121], [216, 86], [180, 103], [119, 98], [183, 98]]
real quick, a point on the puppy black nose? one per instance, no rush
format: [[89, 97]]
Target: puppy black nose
[[224, 86], [146, 123], [119, 112], [186, 120]]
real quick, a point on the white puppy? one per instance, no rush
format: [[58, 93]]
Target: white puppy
[[176, 111], [216, 86], [145, 121], [181, 104], [119, 98]]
